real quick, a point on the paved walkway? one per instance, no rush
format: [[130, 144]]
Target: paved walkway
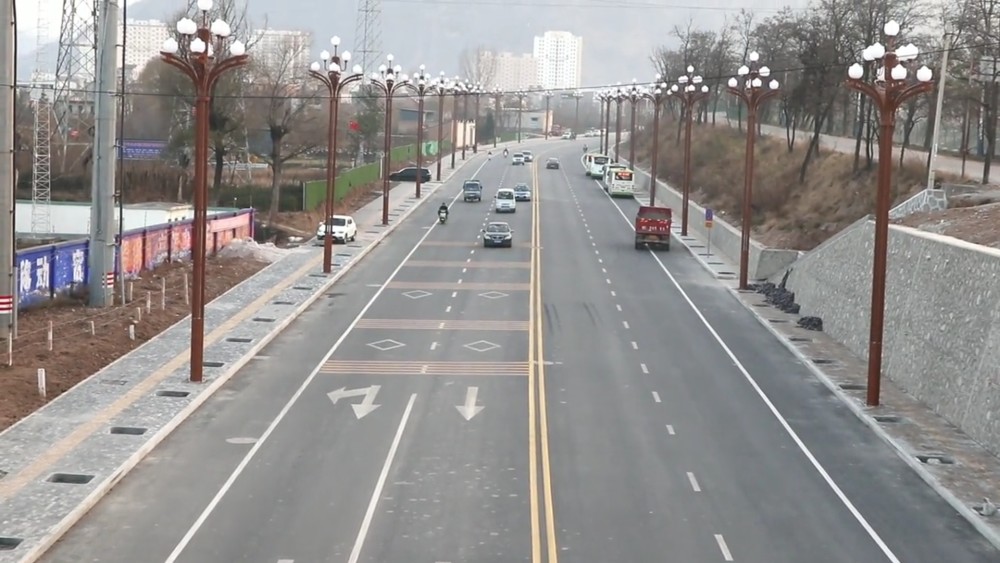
[[58, 462], [968, 474]]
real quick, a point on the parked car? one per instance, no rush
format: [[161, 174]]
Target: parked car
[[552, 164], [344, 229], [409, 174], [522, 192]]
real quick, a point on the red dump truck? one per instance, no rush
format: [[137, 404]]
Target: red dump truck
[[652, 227]]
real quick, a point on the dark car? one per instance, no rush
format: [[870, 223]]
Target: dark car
[[410, 175], [552, 163], [498, 234]]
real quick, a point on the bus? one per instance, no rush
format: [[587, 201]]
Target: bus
[[622, 183], [593, 164]]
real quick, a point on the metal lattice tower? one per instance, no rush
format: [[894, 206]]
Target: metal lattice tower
[[76, 67], [368, 35], [41, 169]]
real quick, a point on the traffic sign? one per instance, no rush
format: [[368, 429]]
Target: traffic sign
[[709, 218]]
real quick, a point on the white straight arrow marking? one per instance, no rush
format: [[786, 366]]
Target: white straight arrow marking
[[469, 409], [366, 406]]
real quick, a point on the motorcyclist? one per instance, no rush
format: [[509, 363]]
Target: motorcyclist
[[443, 209], [505, 152], [489, 155], [584, 148]]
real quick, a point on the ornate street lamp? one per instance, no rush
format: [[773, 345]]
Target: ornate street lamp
[[545, 120], [457, 89], [497, 95], [419, 85], [576, 112], [633, 95], [440, 87], [619, 96], [656, 96], [605, 99], [888, 91], [748, 87], [689, 90], [467, 89], [520, 108], [477, 91], [203, 55], [330, 73], [389, 80]]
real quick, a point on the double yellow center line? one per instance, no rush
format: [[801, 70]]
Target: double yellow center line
[[538, 432]]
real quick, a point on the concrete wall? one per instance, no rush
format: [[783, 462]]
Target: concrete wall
[[942, 331], [921, 202], [764, 261]]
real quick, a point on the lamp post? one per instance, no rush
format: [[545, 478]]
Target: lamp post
[[749, 88], [466, 90], [633, 95], [497, 98], [889, 89], [619, 97], [656, 97], [576, 112], [520, 107], [456, 90], [330, 73], [604, 99], [418, 84], [689, 90], [201, 54], [441, 90], [545, 119], [608, 100], [389, 80], [477, 91]]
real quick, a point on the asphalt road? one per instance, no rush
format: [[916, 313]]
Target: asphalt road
[[659, 422]]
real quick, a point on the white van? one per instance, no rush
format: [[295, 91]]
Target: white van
[[594, 165], [505, 201], [621, 183]]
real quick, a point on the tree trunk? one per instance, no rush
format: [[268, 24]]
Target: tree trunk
[[277, 166], [813, 148], [989, 118], [220, 163]]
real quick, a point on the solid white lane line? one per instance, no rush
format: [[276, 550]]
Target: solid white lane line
[[644, 368], [875, 537], [625, 324], [634, 345], [670, 429], [447, 309], [619, 307], [723, 547], [189, 535], [434, 345], [656, 397], [694, 482], [377, 494]]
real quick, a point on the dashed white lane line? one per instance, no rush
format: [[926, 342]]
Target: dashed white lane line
[[600, 260], [604, 270], [468, 259], [447, 309], [591, 237], [625, 324], [597, 251], [473, 251], [608, 280], [454, 294], [644, 368], [613, 294], [593, 243], [619, 307], [286, 561], [670, 429], [464, 270], [434, 345], [656, 397], [459, 280], [635, 346], [694, 482], [723, 547]]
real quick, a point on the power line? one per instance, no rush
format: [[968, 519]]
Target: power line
[[599, 4]]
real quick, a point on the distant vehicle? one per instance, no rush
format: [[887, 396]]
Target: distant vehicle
[[528, 157], [518, 158], [552, 163], [498, 234], [567, 135], [472, 190], [505, 201], [621, 182], [652, 227], [410, 175], [344, 229], [594, 164], [522, 192]]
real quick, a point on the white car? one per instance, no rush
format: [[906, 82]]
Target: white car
[[517, 159], [344, 229], [505, 201], [528, 157]]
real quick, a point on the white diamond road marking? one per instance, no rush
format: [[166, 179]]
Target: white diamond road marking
[[493, 295], [386, 345], [481, 346], [417, 294]]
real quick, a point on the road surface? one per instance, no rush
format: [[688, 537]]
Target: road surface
[[569, 398]]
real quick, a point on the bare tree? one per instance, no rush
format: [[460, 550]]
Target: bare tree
[[479, 65]]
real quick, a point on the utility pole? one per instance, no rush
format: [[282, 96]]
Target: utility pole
[[932, 156], [7, 173], [102, 207]]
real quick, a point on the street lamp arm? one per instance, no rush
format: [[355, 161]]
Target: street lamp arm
[[865, 88], [739, 93], [180, 64], [765, 95], [325, 79], [913, 90], [344, 82], [219, 69]]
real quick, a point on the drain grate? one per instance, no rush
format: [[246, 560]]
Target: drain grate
[[9, 544], [800, 339], [302, 287], [822, 361], [696, 246], [887, 418], [169, 393], [239, 339], [777, 321], [745, 291], [284, 303], [853, 386], [213, 364], [317, 275], [263, 320], [760, 304], [128, 430], [936, 459], [727, 273], [343, 254], [114, 381], [70, 478], [713, 263]]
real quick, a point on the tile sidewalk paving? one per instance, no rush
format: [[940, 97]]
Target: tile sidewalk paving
[[105, 425]]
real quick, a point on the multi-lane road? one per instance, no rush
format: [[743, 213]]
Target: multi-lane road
[[569, 398]]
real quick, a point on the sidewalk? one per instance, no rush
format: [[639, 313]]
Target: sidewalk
[[954, 465], [60, 461]]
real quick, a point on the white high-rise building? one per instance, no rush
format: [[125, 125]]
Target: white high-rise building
[[508, 71], [559, 55], [143, 41]]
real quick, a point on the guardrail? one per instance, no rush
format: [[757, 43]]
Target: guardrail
[[46, 272]]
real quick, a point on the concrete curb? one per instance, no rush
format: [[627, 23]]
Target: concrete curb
[[990, 533], [105, 486]]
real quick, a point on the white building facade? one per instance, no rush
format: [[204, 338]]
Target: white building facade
[[559, 57], [510, 71], [143, 40]]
